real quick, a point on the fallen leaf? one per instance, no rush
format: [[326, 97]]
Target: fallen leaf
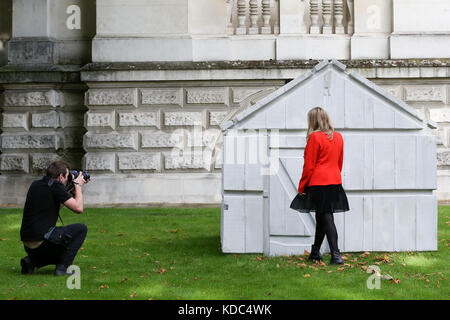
[[396, 281], [305, 252], [123, 280], [102, 231], [365, 255], [133, 295], [307, 275], [103, 286], [161, 271]]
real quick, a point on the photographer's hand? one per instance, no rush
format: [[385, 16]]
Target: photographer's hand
[[79, 180], [76, 203]]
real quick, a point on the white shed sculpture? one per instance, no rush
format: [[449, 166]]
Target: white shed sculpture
[[389, 170]]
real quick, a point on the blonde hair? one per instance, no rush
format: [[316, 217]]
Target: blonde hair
[[319, 120]]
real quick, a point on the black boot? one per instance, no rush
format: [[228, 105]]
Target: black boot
[[27, 266], [336, 257], [61, 270], [315, 253]]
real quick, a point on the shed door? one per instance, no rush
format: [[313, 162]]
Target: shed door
[[286, 153]]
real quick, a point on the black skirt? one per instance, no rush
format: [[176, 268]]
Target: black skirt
[[323, 199]]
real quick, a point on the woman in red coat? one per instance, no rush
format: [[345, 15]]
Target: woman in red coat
[[320, 187]]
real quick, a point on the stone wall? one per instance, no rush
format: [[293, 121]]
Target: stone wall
[[149, 133], [40, 123]]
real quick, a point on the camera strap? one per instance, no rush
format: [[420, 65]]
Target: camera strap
[[50, 183]]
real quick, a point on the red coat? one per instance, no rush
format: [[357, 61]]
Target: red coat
[[323, 160]]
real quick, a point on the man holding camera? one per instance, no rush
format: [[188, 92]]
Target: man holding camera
[[44, 243]]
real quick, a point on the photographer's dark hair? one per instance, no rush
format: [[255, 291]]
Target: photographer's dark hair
[[56, 168]]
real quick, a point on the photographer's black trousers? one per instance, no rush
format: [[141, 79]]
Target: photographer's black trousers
[[59, 254]]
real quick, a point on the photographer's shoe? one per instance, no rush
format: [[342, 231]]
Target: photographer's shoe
[[61, 270], [315, 253], [27, 266], [336, 258]]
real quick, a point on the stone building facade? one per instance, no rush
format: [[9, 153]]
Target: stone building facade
[[134, 91]]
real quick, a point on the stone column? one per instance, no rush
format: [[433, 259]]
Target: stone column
[[373, 26], [421, 29], [42, 105], [294, 16], [5, 29], [52, 31]]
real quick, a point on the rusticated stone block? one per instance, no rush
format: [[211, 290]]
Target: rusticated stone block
[[49, 98], [218, 158], [139, 161], [40, 161], [182, 118], [14, 162], [45, 120], [100, 119], [111, 141], [16, 120], [207, 96], [163, 140], [73, 138], [443, 158], [203, 138], [111, 97], [100, 162], [31, 141], [72, 119], [425, 93], [161, 96], [216, 117], [396, 91], [240, 94], [187, 160], [440, 115], [138, 119]]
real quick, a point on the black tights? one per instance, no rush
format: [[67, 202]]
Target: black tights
[[325, 226]]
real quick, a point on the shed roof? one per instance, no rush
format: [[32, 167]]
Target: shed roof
[[408, 114]]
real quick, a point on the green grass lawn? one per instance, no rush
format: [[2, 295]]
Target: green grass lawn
[[164, 253]]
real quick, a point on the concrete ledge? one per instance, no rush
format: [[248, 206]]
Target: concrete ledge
[[420, 45], [258, 70]]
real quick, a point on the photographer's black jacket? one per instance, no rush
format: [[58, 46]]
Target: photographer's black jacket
[[42, 208]]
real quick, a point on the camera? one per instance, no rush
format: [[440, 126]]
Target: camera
[[70, 187]]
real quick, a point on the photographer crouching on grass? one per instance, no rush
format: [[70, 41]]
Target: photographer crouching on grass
[[44, 243]]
